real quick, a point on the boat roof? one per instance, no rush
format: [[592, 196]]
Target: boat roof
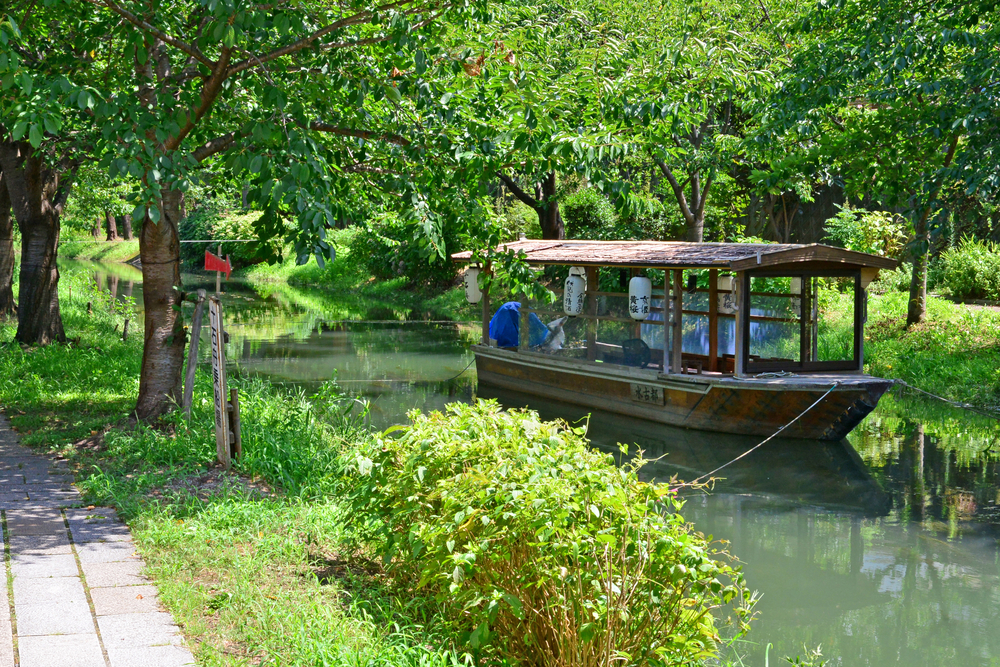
[[686, 255]]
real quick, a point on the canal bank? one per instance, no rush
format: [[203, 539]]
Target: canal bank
[[847, 552]]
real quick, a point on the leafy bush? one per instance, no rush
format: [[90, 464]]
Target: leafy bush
[[969, 271], [213, 220], [897, 280], [389, 248], [874, 232], [588, 214], [539, 549]]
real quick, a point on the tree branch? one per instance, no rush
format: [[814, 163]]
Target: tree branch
[[217, 145], [156, 32], [309, 40], [678, 190], [320, 126], [516, 190]]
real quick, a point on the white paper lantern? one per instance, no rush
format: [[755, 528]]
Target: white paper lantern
[[472, 292], [727, 294], [574, 293], [640, 297]]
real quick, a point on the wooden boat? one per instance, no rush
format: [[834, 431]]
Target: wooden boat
[[757, 336]]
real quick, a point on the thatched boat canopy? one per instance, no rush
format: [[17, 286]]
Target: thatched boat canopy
[[682, 255]]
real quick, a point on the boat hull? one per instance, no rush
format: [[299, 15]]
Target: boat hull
[[722, 404]]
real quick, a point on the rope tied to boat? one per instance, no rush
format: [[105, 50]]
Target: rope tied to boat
[[763, 442], [993, 412]]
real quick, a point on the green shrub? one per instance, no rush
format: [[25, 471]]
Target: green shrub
[[587, 214], [874, 232], [389, 248], [969, 271], [897, 280], [540, 550], [213, 220]]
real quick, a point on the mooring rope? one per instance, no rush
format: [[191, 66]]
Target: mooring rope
[[763, 442], [979, 410]]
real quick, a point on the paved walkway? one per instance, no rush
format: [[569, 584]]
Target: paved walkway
[[73, 594]]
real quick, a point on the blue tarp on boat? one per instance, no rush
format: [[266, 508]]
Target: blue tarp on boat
[[507, 321]]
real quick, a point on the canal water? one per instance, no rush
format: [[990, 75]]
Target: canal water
[[882, 549]]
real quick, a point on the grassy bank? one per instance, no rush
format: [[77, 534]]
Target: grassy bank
[[954, 354], [98, 251], [310, 553], [345, 275]]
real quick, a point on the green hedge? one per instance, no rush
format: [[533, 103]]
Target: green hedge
[[538, 549], [970, 270]]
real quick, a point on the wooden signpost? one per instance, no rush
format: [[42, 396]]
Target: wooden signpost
[[228, 444]]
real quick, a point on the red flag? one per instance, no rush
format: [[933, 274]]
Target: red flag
[[213, 263]]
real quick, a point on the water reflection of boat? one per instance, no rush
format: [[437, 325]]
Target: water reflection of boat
[[827, 473], [776, 352]]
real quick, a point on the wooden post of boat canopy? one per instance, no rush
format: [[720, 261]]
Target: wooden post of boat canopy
[[676, 365], [592, 286], [713, 320], [740, 362], [666, 320], [486, 312], [524, 331]]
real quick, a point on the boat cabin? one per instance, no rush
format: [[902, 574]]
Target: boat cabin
[[710, 309]]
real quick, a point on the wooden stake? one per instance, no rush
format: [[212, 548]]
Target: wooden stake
[[236, 448], [219, 380], [192, 363]]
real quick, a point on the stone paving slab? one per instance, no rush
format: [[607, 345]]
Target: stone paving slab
[[154, 656], [139, 630], [107, 575], [45, 591], [83, 650], [40, 545], [42, 567], [62, 617], [80, 598], [106, 552], [125, 600]]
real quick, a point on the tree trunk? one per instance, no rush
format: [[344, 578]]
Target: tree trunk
[[549, 218], [125, 221], [8, 307], [696, 226], [916, 308], [164, 337], [37, 199], [112, 228], [95, 231]]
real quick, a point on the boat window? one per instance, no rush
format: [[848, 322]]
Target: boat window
[[775, 331], [833, 319], [802, 322]]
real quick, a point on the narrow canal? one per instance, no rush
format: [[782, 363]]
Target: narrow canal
[[883, 549]]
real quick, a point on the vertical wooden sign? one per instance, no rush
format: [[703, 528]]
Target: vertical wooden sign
[[219, 381]]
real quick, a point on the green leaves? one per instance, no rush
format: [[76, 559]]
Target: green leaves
[[571, 541]]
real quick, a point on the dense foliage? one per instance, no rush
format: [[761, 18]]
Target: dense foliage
[[970, 270], [538, 547]]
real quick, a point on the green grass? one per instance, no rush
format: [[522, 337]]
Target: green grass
[[99, 251], [955, 353], [250, 579]]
